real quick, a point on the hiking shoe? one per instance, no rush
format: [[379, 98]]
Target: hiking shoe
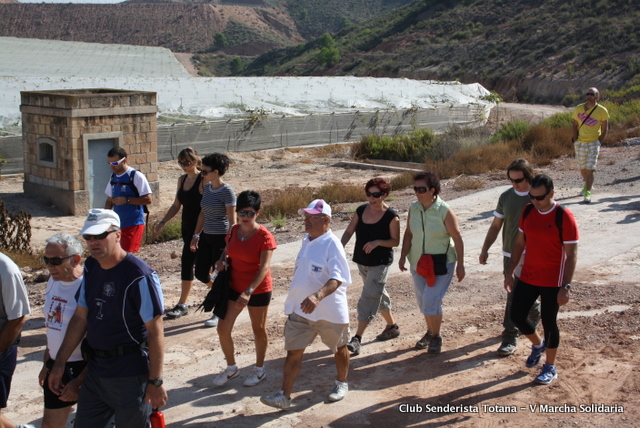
[[536, 352], [211, 322], [508, 347], [390, 332], [547, 374], [435, 346], [179, 310], [339, 391], [424, 342], [354, 346], [226, 376], [278, 400], [256, 377], [587, 197]]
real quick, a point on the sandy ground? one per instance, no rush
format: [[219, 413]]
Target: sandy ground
[[391, 383]]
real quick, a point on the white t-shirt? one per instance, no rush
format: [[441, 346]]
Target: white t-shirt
[[14, 300], [319, 261], [59, 305]]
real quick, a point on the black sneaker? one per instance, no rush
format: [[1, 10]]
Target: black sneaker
[[435, 346], [424, 342], [354, 346], [390, 332], [179, 310]]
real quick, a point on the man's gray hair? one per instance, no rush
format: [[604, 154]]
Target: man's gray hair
[[70, 243]]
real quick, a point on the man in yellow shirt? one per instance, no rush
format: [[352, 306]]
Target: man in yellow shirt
[[590, 126]]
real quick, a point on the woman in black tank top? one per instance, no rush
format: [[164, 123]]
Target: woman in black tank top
[[377, 229], [188, 196]]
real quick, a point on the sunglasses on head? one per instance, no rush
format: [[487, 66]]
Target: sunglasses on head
[[55, 261], [185, 163], [420, 189], [98, 237], [517, 180], [116, 163], [539, 198], [247, 213], [374, 194], [591, 94]]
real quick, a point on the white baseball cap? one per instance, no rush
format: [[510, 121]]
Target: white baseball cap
[[318, 206], [99, 221]]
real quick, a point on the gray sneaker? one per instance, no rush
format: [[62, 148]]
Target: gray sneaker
[[435, 346], [179, 310], [339, 391], [354, 346], [507, 347], [424, 342], [278, 400], [211, 322], [390, 332]]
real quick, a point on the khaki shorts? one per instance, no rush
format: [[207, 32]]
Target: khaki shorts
[[300, 332]]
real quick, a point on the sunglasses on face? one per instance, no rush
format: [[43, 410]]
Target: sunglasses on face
[[205, 172], [517, 180], [539, 198], [420, 189], [55, 261], [116, 163], [247, 213], [374, 194], [185, 163], [98, 237]]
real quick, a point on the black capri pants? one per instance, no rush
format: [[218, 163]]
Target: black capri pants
[[524, 296], [210, 248]]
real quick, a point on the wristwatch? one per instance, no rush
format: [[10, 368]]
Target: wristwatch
[[566, 286], [155, 382]]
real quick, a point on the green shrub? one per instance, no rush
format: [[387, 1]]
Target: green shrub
[[410, 147], [558, 120], [170, 231], [511, 131]]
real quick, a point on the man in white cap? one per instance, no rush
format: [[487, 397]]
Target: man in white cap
[[317, 303], [120, 308]]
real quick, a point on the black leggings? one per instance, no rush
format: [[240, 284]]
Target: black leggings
[[524, 296], [210, 248]]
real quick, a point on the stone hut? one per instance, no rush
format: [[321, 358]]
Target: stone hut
[[66, 135]]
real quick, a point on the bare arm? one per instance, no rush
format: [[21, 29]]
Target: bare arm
[[173, 210], [453, 229], [350, 230], [603, 130], [576, 127], [108, 203], [406, 245], [156, 395], [571, 250], [492, 235], [140, 200], [265, 263], [516, 255], [310, 304], [231, 215], [197, 231], [10, 331], [75, 333]]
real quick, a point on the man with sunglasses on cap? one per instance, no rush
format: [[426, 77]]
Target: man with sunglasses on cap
[[120, 309], [590, 126], [62, 257], [507, 214], [128, 193], [316, 304], [14, 308], [549, 233]]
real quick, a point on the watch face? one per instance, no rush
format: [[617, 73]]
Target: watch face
[[155, 382]]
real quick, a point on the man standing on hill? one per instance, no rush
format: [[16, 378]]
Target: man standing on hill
[[507, 213], [128, 192], [590, 126]]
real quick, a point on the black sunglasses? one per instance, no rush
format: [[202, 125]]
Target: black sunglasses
[[205, 172], [539, 198], [55, 261], [247, 213], [98, 237], [420, 189], [185, 163], [591, 94], [517, 180], [374, 194]]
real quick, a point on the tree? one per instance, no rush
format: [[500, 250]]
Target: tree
[[328, 56], [220, 41], [236, 65]]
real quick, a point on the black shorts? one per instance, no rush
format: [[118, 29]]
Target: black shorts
[[71, 371], [262, 299]]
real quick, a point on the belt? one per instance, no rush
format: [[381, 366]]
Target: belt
[[118, 352]]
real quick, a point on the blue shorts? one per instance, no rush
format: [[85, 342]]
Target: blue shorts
[[7, 367]]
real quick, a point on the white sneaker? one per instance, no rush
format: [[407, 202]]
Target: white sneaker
[[226, 376], [256, 377], [339, 391], [211, 322], [278, 400]]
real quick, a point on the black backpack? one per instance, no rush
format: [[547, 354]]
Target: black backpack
[[133, 187]]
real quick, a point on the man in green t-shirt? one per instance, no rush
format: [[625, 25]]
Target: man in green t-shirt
[[507, 214], [590, 126]]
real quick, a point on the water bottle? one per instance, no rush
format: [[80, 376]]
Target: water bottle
[[157, 419]]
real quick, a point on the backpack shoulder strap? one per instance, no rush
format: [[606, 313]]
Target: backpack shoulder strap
[[132, 184], [527, 210], [559, 217]]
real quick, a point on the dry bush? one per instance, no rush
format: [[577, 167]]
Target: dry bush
[[33, 260], [287, 201], [545, 144], [331, 151], [402, 181], [467, 183], [336, 192]]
